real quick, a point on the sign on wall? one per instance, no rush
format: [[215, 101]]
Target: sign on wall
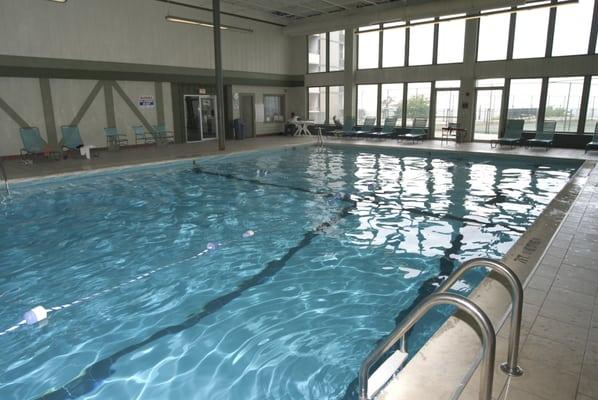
[[146, 102]]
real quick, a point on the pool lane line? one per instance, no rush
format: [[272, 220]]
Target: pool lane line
[[104, 291], [428, 287], [93, 376], [196, 169]]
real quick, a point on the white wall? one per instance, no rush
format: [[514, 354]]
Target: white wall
[[261, 127], [23, 96], [135, 31], [68, 95]]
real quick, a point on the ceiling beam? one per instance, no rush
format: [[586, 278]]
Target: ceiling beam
[[393, 11]]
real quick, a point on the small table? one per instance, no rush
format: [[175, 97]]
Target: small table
[[302, 128], [458, 133]]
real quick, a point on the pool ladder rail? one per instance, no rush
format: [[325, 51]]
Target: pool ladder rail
[[480, 318], [4, 176]]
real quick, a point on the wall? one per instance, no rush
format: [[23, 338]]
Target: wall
[[261, 127], [135, 31], [82, 102]]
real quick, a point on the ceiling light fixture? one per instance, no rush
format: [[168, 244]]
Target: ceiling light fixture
[[526, 6], [206, 24], [58, 1]]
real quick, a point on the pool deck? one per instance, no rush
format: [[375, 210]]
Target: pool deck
[[559, 343]]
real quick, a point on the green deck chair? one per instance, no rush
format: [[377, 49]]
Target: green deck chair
[[348, 128], [417, 130], [513, 133], [593, 145], [34, 144], [161, 135], [114, 138], [545, 137], [388, 129], [369, 123], [141, 135], [71, 137]]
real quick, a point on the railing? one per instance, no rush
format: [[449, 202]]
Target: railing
[[510, 367], [4, 176], [481, 319], [488, 338]]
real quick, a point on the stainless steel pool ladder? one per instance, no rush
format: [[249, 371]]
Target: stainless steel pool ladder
[[4, 176], [481, 319]]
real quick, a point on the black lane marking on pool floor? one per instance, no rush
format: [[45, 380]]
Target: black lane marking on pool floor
[[93, 376], [427, 288], [411, 210]]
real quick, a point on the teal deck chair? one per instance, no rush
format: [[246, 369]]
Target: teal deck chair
[[417, 130], [71, 137], [114, 138], [141, 135], [513, 133], [369, 123], [593, 145], [348, 128], [545, 137], [33, 143], [161, 135], [388, 129]]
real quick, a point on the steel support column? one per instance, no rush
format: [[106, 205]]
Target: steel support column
[[218, 70]]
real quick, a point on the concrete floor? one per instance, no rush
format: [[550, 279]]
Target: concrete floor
[[559, 346]]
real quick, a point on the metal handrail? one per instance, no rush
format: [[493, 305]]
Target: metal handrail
[[464, 304], [4, 176], [510, 367]]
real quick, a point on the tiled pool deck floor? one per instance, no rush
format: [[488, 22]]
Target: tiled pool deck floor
[[559, 344]]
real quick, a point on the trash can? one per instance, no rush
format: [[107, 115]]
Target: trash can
[[239, 128]]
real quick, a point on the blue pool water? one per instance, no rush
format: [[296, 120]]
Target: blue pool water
[[144, 311]]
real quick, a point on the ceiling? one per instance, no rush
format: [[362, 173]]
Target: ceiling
[[283, 12], [288, 11]]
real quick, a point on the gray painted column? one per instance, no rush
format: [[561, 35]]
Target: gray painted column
[[350, 101], [159, 102], [218, 70], [109, 103], [48, 107], [466, 111]]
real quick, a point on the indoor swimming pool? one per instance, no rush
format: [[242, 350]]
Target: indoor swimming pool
[[263, 275]]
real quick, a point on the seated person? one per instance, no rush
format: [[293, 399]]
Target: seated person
[[291, 125], [337, 123]]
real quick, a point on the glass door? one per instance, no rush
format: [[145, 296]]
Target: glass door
[[192, 119], [209, 120], [446, 110], [487, 114]]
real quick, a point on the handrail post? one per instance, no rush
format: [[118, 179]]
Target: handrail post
[[510, 367], [482, 320]]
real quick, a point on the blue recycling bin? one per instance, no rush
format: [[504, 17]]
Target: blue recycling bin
[[239, 128]]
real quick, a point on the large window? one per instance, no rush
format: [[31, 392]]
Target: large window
[[592, 115], [418, 101], [494, 37], [317, 104], [316, 52], [392, 101], [273, 108], [336, 99], [421, 43], [451, 41], [572, 28], [369, 47], [531, 31], [337, 50], [563, 102], [524, 101], [393, 45], [367, 102]]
